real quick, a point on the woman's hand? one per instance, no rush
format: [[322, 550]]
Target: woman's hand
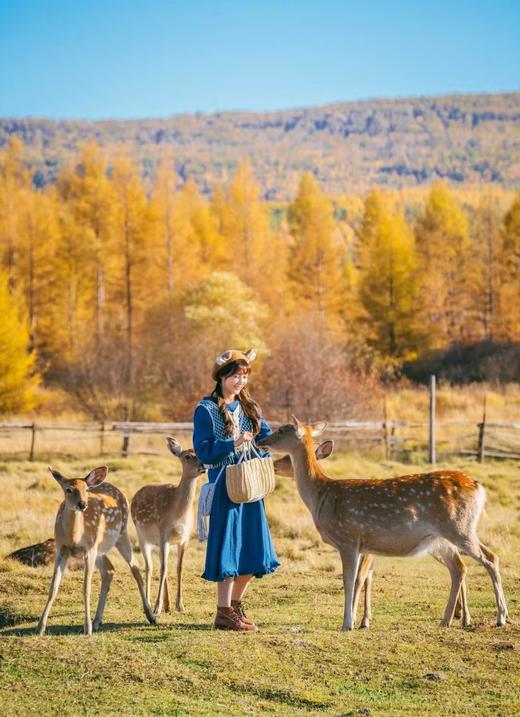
[[246, 437]]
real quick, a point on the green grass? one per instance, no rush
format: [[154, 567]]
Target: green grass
[[299, 663]]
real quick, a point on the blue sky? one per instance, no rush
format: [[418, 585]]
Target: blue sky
[[101, 59]]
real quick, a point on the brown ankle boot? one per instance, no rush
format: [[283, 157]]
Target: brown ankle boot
[[239, 609], [227, 619]]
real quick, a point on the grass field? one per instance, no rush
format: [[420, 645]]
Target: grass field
[[299, 663]]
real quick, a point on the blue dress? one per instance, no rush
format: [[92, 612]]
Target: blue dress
[[239, 542]]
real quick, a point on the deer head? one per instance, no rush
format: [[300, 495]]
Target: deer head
[[76, 490], [191, 466]]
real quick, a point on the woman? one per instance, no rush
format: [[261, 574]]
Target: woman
[[239, 542]]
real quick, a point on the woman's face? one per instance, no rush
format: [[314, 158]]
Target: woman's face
[[232, 385]]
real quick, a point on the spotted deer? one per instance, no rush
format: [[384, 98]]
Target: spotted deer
[[163, 515], [283, 466], [434, 513], [91, 521]]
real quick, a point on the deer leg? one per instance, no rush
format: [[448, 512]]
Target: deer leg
[[363, 571], [164, 549], [124, 546], [462, 603], [181, 548], [449, 556], [146, 550], [349, 559], [90, 561], [493, 568], [106, 569], [486, 557], [367, 616], [60, 564], [167, 601]]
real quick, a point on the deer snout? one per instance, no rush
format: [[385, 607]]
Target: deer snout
[[263, 441], [82, 505]]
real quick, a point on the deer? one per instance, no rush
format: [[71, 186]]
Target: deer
[[433, 513], [91, 521], [283, 466], [163, 515]]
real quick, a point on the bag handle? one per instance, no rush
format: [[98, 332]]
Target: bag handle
[[248, 451]]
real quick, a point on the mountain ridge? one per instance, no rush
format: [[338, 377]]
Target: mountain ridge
[[349, 146]]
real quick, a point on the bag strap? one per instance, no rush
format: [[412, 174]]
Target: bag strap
[[248, 452]]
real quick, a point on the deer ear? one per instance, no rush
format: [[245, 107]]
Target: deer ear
[[299, 426], [318, 428], [174, 446], [250, 354], [96, 477], [57, 475], [324, 450]]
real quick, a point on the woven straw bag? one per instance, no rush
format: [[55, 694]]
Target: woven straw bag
[[251, 478]]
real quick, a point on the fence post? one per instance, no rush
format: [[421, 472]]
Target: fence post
[[481, 433], [126, 444], [385, 429], [33, 440], [432, 458]]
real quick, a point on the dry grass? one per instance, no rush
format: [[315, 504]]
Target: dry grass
[[299, 663]]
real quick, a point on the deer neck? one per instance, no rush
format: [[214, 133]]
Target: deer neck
[[309, 478], [73, 523], [186, 492]]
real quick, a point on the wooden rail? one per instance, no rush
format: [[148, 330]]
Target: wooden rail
[[395, 439]]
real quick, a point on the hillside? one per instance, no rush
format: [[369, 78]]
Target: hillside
[[348, 146]]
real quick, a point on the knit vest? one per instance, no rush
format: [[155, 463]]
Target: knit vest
[[219, 429]]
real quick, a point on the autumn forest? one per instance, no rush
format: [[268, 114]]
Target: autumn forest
[[117, 290]]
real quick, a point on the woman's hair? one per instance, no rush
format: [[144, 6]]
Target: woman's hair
[[249, 405]]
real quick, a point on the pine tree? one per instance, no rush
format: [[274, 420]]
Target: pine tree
[[18, 380]]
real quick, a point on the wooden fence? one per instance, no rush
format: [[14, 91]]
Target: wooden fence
[[400, 440]]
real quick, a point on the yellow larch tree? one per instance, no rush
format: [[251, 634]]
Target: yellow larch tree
[[18, 379], [389, 289], [510, 271], [15, 182], [133, 230], [249, 244], [314, 262], [91, 200], [443, 247]]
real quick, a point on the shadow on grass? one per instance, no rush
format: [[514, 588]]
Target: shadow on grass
[[10, 617], [76, 629], [163, 632]]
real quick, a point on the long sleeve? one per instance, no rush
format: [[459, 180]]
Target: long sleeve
[[207, 448], [265, 430]]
